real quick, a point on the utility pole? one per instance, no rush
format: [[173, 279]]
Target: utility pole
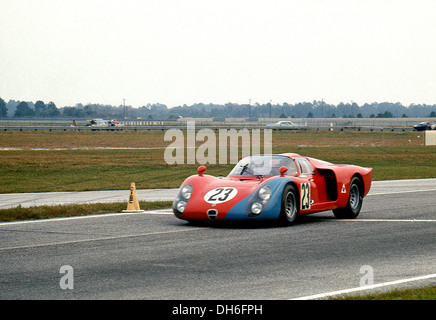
[[322, 108], [352, 113], [124, 109]]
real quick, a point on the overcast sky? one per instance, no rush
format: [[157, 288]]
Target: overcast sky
[[179, 52]]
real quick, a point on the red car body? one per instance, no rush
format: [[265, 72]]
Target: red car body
[[289, 186]]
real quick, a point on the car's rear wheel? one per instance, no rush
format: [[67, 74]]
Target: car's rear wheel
[[289, 209], [354, 204]]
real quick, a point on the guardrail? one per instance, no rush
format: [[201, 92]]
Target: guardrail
[[163, 128], [393, 124]]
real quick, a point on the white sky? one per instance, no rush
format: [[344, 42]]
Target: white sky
[[217, 51]]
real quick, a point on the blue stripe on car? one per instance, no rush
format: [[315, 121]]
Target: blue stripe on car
[[272, 208]]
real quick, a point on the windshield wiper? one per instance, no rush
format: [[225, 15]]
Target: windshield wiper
[[244, 168]]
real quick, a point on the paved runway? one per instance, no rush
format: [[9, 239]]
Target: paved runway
[[154, 255], [10, 200]]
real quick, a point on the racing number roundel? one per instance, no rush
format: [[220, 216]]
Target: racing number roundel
[[305, 196], [220, 195]]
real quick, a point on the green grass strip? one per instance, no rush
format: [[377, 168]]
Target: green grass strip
[[423, 293], [73, 210]]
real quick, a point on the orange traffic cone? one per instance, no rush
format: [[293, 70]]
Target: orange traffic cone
[[133, 204]]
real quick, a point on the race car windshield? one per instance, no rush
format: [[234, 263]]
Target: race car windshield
[[263, 166]]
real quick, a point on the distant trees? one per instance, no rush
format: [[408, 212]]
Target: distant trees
[[46, 110], [385, 114], [24, 111], [52, 110], [40, 108], [73, 112], [315, 109], [158, 111], [3, 109]]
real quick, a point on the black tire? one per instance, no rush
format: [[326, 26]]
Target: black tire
[[290, 205], [355, 200]]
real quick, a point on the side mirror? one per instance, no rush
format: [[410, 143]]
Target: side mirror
[[200, 170], [282, 171]]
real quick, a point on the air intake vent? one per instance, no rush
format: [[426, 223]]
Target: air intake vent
[[212, 214]]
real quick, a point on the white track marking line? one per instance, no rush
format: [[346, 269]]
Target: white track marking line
[[398, 192], [374, 286], [98, 239], [169, 212], [163, 211], [383, 220]]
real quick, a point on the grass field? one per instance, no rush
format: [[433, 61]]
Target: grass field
[[424, 293], [41, 161]]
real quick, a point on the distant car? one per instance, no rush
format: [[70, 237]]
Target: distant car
[[424, 126], [103, 123], [284, 125], [114, 123], [97, 123], [270, 187]]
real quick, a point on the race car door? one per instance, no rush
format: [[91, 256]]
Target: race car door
[[308, 192]]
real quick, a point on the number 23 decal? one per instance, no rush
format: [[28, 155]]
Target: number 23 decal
[[305, 196], [220, 195]]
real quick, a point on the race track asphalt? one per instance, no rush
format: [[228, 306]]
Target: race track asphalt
[[154, 255]]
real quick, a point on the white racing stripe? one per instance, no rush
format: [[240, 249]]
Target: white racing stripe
[[374, 286]]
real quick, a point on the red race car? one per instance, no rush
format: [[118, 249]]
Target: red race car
[[282, 186]]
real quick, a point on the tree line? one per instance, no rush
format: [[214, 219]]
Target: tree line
[[157, 111], [22, 109]]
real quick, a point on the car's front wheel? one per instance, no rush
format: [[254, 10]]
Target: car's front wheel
[[354, 204], [289, 210]]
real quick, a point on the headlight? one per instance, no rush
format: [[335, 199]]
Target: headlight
[[181, 205], [258, 201], [186, 191], [265, 192], [256, 208], [181, 201]]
